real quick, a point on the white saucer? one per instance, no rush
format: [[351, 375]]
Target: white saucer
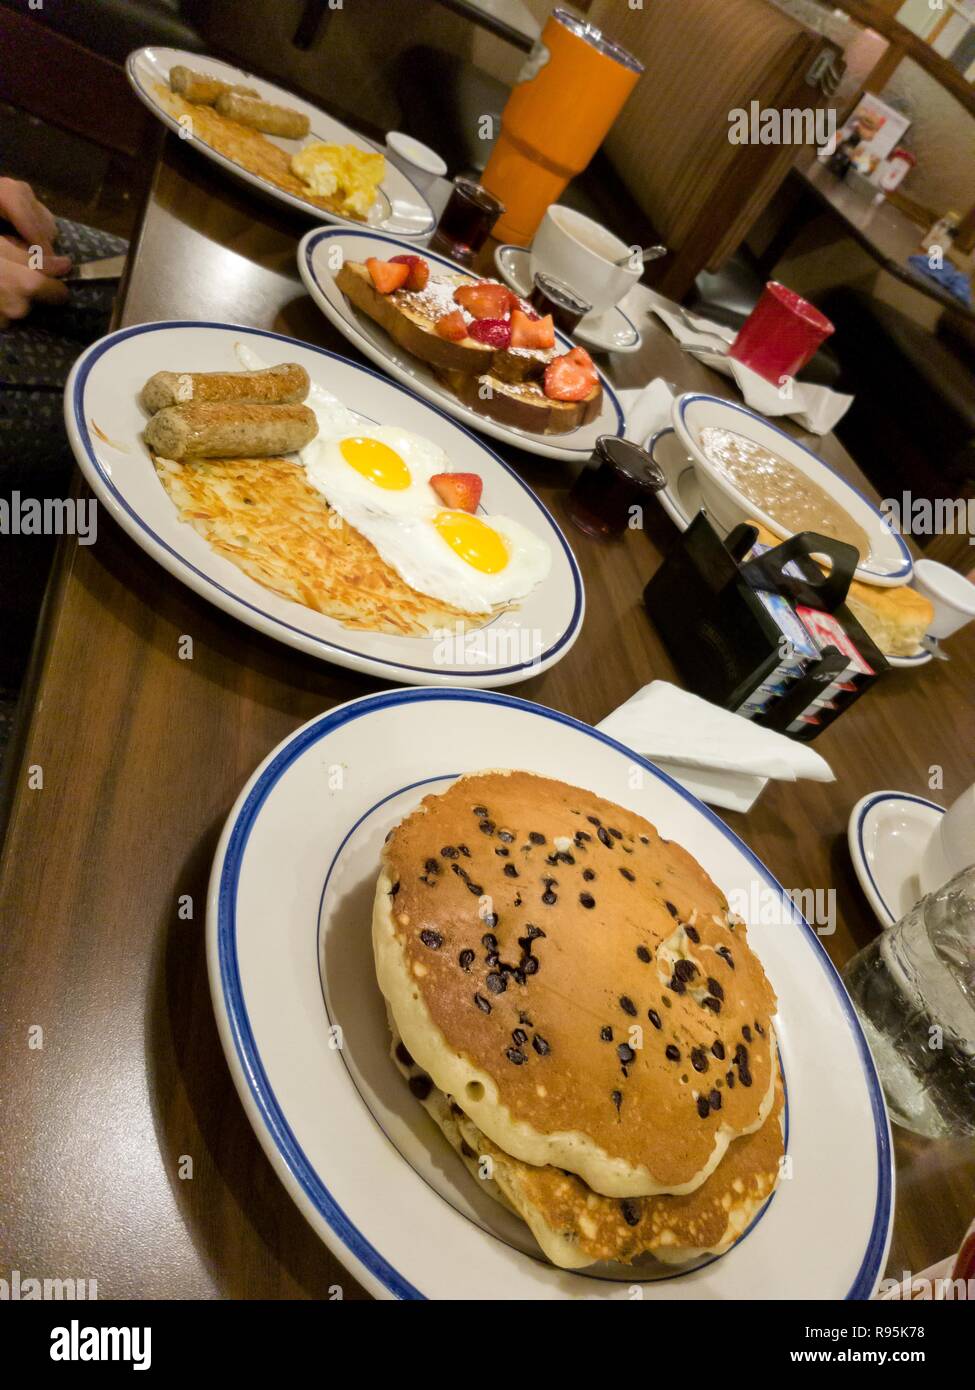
[[887, 833], [681, 500], [610, 331]]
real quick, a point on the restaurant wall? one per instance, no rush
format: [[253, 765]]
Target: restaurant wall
[[942, 135]]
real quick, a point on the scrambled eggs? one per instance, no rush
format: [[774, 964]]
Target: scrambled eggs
[[343, 171]]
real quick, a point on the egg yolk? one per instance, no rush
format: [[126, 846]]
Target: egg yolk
[[376, 461], [477, 544]]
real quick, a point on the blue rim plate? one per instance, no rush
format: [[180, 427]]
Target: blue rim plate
[[404, 208], [860, 507], [318, 276], [104, 422], [303, 1026], [884, 884]]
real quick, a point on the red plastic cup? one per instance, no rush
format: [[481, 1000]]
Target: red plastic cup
[[781, 334]]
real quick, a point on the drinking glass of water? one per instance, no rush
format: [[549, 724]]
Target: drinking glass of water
[[914, 990]]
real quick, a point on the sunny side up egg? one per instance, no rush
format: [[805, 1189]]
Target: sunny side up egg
[[385, 470]]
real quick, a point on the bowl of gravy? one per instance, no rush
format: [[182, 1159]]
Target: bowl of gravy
[[748, 467]]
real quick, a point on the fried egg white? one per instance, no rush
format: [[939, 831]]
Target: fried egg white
[[377, 477]]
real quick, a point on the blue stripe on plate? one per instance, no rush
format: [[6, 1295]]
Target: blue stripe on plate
[[908, 564], [246, 1047], [81, 423], [328, 233]]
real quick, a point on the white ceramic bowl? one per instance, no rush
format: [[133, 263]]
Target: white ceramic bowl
[[421, 164], [889, 562], [950, 593]]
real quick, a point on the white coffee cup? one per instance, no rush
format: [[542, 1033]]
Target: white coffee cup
[[950, 593], [416, 160], [951, 847], [580, 252]]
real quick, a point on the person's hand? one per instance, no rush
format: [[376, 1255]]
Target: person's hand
[[28, 263]]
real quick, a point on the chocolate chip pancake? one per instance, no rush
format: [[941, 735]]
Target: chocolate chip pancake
[[577, 1227], [574, 982]]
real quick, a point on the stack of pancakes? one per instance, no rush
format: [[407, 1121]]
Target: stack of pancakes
[[574, 1005]]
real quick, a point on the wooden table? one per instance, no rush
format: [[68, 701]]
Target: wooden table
[[142, 755], [886, 233]]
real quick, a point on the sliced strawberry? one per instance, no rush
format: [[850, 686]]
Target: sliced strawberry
[[485, 300], [531, 333], [386, 276], [459, 491], [452, 326], [567, 380], [580, 356], [495, 333], [419, 271]]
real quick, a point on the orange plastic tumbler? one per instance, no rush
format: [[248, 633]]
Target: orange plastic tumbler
[[570, 91]]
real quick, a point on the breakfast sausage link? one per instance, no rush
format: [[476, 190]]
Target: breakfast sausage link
[[200, 88], [218, 430], [284, 384], [261, 115]]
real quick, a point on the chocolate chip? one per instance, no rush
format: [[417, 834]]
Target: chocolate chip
[[501, 852], [654, 1018], [487, 826], [479, 810], [616, 834], [496, 982], [466, 959], [746, 1033], [632, 1211], [519, 1036], [627, 1005], [699, 1059], [548, 897], [677, 985], [593, 820], [625, 1053], [693, 934], [403, 1056], [536, 838], [603, 837], [464, 851], [726, 955], [745, 1076], [490, 941], [671, 908], [432, 866], [730, 1078], [717, 1047], [672, 1052], [515, 1055], [759, 1030], [532, 932], [460, 871], [703, 1108], [476, 889], [714, 1100], [715, 988], [741, 1055], [490, 919], [394, 890], [542, 1047], [506, 836], [421, 1086], [617, 1098], [711, 1003], [588, 875], [466, 1149], [587, 900], [530, 966], [491, 959], [582, 835], [644, 839], [448, 852], [483, 1004], [511, 871], [606, 1034], [685, 970], [432, 939], [643, 954], [630, 878]]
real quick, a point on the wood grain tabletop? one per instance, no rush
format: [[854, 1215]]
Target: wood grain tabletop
[[141, 755]]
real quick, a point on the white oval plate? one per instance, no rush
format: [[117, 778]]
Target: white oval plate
[[889, 562], [888, 833], [319, 277], [610, 331], [290, 960], [105, 422], [400, 206]]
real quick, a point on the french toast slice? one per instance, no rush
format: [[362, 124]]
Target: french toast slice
[[410, 318], [522, 405]]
